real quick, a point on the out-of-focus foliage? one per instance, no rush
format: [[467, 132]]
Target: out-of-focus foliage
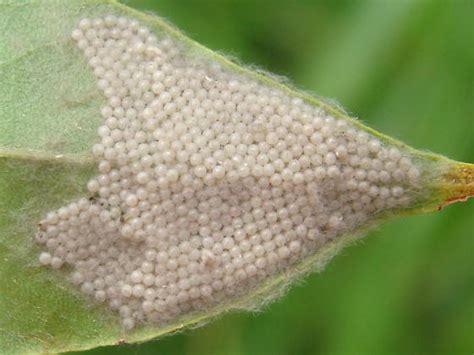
[[407, 69]]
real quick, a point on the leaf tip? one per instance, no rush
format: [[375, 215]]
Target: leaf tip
[[457, 184]]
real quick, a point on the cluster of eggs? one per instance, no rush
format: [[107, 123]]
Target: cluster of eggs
[[210, 182]]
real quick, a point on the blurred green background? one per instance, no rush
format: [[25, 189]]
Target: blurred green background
[[405, 68]]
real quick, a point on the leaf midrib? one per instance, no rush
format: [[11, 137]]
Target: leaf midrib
[[45, 156]]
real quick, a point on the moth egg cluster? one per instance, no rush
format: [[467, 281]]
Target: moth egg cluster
[[209, 181]]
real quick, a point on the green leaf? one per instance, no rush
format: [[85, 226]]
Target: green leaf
[[49, 115]]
